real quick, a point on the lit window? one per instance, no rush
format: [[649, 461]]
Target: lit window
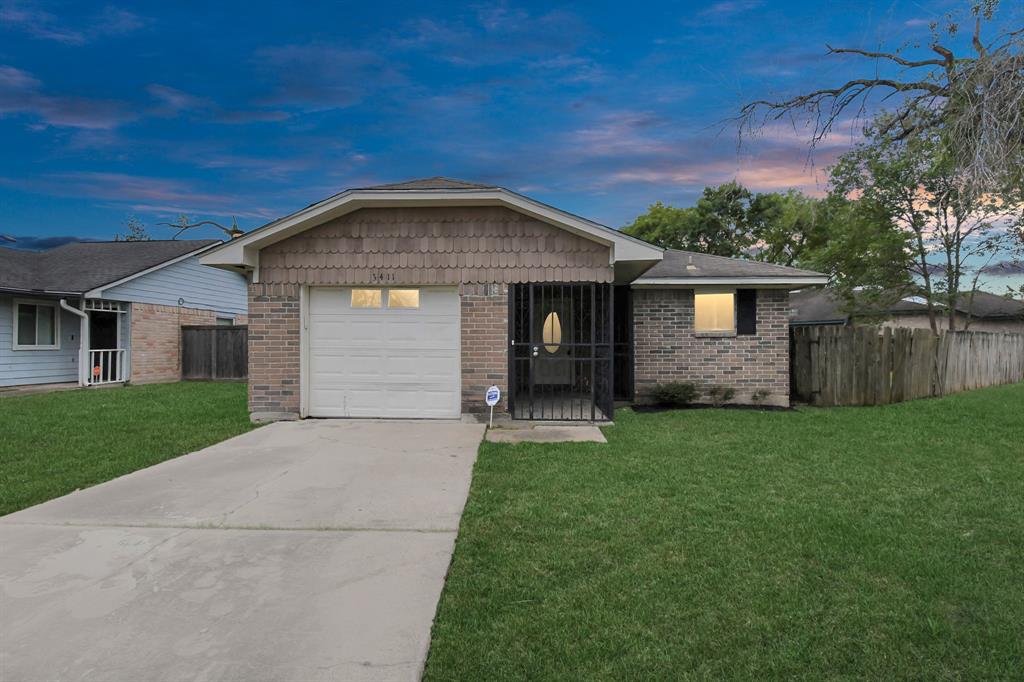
[[552, 333], [403, 298], [366, 298], [36, 326], [714, 312]]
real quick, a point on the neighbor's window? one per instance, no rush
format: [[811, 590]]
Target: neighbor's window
[[714, 312], [552, 333], [36, 326], [366, 298], [403, 298]]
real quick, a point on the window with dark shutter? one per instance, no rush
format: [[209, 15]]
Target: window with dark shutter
[[746, 311]]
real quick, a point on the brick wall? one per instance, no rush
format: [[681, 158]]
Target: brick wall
[[484, 344], [274, 328], [668, 349], [156, 339]]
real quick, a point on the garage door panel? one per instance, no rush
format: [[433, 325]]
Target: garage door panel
[[383, 362]]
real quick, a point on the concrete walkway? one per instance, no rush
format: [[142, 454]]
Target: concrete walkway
[[311, 550]]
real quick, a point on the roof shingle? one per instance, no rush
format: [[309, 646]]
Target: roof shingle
[[687, 264]]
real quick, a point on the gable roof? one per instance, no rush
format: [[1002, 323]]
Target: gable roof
[[426, 192], [83, 266], [689, 268]]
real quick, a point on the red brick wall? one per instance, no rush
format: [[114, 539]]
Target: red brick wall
[[667, 348], [156, 339], [274, 328], [484, 344]]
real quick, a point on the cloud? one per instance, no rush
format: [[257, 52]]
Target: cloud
[[318, 77], [494, 34], [173, 101], [34, 21], [730, 8], [22, 93], [30, 243]]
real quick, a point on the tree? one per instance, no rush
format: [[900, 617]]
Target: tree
[[185, 223], [786, 227], [718, 224], [973, 103], [913, 184], [135, 231]]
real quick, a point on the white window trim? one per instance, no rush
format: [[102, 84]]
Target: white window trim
[[715, 332], [56, 323]]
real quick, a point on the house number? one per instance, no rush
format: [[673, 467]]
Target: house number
[[382, 277]]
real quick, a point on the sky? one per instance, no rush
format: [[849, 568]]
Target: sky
[[254, 110]]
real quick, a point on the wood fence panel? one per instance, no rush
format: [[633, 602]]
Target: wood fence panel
[[833, 365], [217, 352]]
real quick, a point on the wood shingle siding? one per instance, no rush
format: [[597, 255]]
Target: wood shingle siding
[[444, 245]]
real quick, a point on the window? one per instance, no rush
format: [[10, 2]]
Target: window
[[552, 333], [36, 326], [226, 321], [746, 311], [366, 298], [403, 298], [714, 312]]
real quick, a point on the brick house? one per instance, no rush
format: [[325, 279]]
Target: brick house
[[411, 299], [108, 312]]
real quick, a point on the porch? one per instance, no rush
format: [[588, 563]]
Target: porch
[[106, 339]]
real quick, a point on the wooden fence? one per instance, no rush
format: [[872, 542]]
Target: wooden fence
[[835, 365], [215, 352]]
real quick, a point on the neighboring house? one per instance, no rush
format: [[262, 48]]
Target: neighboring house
[[410, 299], [984, 312], [107, 312]]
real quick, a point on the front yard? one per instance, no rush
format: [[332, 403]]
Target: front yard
[[876, 543], [53, 443]]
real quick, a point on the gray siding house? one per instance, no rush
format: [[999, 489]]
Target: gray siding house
[[107, 312]]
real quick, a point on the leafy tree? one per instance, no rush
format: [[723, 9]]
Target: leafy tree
[[787, 228], [918, 188], [135, 231]]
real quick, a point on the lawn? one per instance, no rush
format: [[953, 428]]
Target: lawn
[[53, 443], [873, 543]]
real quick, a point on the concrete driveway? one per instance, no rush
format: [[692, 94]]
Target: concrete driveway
[[311, 550]]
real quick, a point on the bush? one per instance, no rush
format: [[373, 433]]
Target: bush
[[721, 394], [760, 396], [675, 394]]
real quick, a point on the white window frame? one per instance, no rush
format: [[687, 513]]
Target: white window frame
[[715, 332], [56, 324]]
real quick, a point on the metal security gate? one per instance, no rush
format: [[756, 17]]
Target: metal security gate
[[560, 352]]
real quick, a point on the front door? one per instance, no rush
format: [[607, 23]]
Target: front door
[[560, 351]]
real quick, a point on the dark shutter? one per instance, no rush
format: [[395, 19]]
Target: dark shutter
[[746, 311]]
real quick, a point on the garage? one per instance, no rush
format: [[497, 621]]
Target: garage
[[383, 352]]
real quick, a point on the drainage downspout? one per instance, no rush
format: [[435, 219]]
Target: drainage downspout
[[83, 333]]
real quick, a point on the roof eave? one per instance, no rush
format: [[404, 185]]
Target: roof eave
[[244, 251], [780, 282]]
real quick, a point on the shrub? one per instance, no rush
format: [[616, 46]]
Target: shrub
[[721, 394], [674, 394], [760, 396]]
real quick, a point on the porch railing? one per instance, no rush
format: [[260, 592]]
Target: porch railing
[[106, 366]]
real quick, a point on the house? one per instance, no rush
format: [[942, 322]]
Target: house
[[107, 312], [981, 312], [411, 299]]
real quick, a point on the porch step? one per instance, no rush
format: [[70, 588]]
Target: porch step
[[547, 433]]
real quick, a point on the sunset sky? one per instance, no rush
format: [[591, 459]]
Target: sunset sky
[[257, 109]]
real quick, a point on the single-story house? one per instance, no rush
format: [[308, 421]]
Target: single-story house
[[411, 299], [108, 312], [984, 312]]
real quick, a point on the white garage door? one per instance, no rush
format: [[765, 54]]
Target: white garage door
[[383, 352]]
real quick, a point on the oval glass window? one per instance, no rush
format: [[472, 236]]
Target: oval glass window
[[552, 333]]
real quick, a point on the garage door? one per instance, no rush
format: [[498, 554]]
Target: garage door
[[383, 352]]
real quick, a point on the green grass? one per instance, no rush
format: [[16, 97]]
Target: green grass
[[871, 543], [53, 443]]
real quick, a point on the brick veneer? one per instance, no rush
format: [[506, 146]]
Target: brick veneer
[[484, 344], [156, 339], [274, 341], [666, 347]]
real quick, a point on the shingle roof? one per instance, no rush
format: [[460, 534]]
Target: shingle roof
[[80, 267], [822, 306], [436, 182], [682, 264]]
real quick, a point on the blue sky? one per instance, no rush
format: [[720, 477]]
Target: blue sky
[[257, 109]]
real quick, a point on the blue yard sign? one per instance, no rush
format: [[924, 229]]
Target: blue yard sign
[[492, 397]]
